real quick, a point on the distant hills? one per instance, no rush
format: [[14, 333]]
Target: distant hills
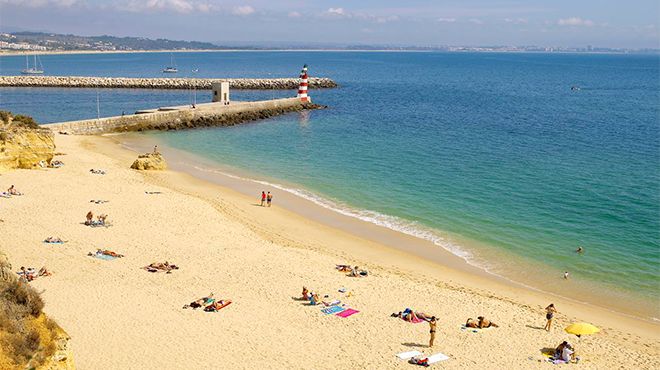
[[56, 42], [43, 41]]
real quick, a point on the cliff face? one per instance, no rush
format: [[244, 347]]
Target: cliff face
[[28, 339], [24, 146]]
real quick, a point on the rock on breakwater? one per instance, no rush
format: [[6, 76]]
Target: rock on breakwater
[[161, 83]]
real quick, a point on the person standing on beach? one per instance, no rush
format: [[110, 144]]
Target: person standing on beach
[[549, 314], [269, 198], [432, 324], [263, 198]]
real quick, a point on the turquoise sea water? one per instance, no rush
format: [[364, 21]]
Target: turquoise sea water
[[491, 148]]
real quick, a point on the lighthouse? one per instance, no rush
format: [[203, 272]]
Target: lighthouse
[[302, 88]]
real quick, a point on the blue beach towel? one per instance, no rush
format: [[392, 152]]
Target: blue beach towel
[[332, 310], [103, 257]]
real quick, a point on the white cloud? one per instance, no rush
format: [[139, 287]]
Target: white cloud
[[475, 21], [336, 11], [295, 15], [447, 20], [242, 10], [575, 21]]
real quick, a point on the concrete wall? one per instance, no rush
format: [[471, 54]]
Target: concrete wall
[[207, 114]]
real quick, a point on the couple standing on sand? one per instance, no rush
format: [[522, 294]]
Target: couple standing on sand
[[266, 198]]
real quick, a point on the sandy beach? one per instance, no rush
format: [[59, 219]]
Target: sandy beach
[[122, 317]]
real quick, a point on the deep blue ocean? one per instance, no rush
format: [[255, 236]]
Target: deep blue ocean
[[489, 155]]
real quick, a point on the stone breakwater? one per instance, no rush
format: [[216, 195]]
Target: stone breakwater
[[161, 83], [203, 115]]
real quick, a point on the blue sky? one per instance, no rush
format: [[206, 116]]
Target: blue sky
[[610, 23]]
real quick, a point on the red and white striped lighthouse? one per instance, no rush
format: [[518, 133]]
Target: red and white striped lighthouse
[[302, 88]]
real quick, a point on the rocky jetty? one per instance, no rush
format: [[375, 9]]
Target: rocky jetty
[[23, 144], [162, 83], [149, 161]]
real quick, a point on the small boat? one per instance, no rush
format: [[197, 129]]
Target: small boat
[[32, 70], [172, 67]]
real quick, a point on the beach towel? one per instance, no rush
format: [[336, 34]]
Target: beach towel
[[102, 256], [348, 312], [475, 330], [415, 320], [409, 354], [331, 310], [437, 358]]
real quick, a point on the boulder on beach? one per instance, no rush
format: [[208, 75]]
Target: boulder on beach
[[149, 161]]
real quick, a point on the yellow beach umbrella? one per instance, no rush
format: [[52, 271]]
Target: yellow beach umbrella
[[581, 328]]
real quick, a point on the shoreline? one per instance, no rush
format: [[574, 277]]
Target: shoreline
[[457, 259], [260, 258]]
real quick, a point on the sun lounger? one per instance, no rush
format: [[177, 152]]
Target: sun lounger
[[348, 312], [409, 354], [331, 310]]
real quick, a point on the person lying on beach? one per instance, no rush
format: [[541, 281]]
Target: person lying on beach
[[314, 299], [98, 201], [406, 315], [344, 268], [56, 164], [160, 266], [106, 252], [484, 323], [12, 191], [217, 305], [101, 219], [43, 271], [97, 172], [4, 194], [52, 239], [202, 302], [419, 360], [356, 272]]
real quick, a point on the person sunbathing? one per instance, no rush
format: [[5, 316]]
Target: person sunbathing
[[305, 294], [28, 274], [202, 302], [156, 266], [471, 323], [52, 239], [101, 219], [356, 272], [217, 305], [43, 272], [344, 268], [314, 299], [484, 323], [12, 191], [406, 315], [106, 252]]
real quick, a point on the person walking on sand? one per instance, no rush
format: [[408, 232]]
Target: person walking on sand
[[269, 198], [549, 314], [566, 275], [263, 198], [432, 324]]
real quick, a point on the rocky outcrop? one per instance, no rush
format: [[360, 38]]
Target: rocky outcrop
[[24, 145], [162, 83], [149, 161]]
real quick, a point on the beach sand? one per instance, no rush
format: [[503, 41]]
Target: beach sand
[[122, 317]]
